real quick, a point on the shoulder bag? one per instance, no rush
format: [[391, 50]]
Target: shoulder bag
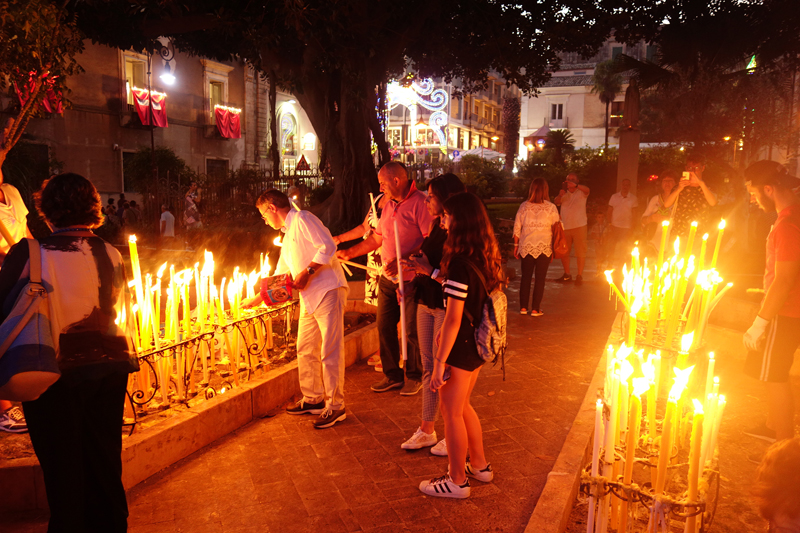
[[27, 350]]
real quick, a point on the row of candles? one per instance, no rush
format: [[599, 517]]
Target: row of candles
[[622, 429], [153, 332], [657, 293]]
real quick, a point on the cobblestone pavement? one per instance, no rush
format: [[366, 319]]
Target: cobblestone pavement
[[278, 474]]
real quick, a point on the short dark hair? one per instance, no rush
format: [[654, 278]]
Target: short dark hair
[[69, 200], [696, 157], [274, 197], [133, 203], [445, 186]]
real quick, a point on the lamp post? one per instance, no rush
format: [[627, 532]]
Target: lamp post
[[167, 53]]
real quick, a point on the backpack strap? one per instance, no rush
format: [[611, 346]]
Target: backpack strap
[[477, 271], [35, 255], [34, 278]]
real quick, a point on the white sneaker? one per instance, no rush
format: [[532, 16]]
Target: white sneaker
[[13, 421], [419, 439], [444, 487], [440, 449], [485, 475]]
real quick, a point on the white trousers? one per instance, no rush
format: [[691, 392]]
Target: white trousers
[[320, 350]]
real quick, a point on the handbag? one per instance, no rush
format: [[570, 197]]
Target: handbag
[[27, 351], [560, 245]]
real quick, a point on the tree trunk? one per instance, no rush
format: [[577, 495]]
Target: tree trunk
[[608, 104], [273, 124], [342, 119], [378, 129]]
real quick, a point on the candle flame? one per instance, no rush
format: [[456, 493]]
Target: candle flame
[[711, 356], [705, 236], [277, 241], [640, 386], [716, 380], [649, 369], [677, 246], [161, 270], [132, 238], [599, 403], [686, 341], [664, 223], [625, 370], [681, 380], [608, 276], [636, 306], [722, 399], [698, 407], [694, 224], [721, 224]]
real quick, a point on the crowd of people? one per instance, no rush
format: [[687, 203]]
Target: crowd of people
[[441, 242]]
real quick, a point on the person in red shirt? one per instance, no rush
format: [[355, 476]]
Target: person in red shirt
[[775, 333]]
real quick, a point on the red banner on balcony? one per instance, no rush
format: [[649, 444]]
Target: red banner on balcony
[[228, 121], [52, 100], [141, 102]]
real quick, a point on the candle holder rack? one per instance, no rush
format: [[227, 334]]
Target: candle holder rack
[[669, 511], [175, 372]]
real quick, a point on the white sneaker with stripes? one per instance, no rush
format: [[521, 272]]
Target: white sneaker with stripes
[[444, 487], [485, 475]]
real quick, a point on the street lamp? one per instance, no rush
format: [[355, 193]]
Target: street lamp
[[167, 53], [167, 77]]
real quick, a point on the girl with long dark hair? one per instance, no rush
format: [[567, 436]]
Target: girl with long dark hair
[[471, 267]]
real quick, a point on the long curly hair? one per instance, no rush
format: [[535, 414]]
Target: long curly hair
[[471, 235]]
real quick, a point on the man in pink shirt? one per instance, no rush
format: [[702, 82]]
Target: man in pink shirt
[[407, 208], [775, 333]]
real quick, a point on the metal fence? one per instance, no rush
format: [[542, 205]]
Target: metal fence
[[229, 199]]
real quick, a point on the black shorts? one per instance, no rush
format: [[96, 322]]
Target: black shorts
[[773, 362]]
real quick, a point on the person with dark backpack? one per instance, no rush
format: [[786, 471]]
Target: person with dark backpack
[[473, 275]]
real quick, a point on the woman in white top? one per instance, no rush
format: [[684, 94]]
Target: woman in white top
[[533, 243]]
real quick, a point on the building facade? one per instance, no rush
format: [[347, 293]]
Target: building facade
[[429, 121], [566, 101], [101, 127]]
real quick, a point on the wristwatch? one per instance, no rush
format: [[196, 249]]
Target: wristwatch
[[310, 271]]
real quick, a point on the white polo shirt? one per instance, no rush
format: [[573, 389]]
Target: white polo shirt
[[573, 209], [622, 216]]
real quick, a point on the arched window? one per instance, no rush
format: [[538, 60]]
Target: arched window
[[288, 134]]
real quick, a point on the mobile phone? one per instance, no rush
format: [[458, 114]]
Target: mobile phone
[[686, 176]]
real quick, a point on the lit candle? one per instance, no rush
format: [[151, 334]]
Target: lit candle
[[640, 386], [702, 258], [615, 289], [709, 409], [695, 468], [598, 435], [635, 307], [608, 463], [399, 256], [721, 402], [690, 241], [717, 244], [666, 445], [663, 245], [709, 374]]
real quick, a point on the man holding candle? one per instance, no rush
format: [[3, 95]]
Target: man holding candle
[[572, 200], [775, 333], [307, 256], [407, 209]]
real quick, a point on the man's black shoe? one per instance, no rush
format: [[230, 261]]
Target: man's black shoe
[[386, 384], [565, 277], [303, 407]]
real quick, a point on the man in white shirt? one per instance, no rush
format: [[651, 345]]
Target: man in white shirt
[[167, 227], [308, 256], [13, 215], [620, 215], [572, 199]]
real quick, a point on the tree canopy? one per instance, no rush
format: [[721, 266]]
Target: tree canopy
[[333, 55]]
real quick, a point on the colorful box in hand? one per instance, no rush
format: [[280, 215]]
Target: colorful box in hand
[[276, 289]]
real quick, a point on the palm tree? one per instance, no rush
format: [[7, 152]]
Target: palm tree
[[559, 141], [607, 83]]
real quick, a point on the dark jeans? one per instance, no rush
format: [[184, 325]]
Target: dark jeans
[[388, 319], [76, 431], [531, 264]]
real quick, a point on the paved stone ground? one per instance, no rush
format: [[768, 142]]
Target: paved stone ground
[[279, 474]]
